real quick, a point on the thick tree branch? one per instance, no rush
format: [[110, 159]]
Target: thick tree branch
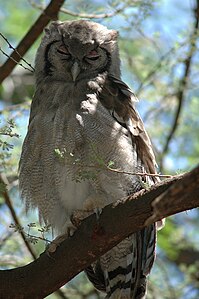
[[50, 13], [94, 238]]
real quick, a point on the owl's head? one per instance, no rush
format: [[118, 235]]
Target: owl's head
[[76, 50]]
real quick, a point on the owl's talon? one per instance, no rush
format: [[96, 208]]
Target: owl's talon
[[52, 247], [69, 228], [94, 202], [98, 212], [78, 216]]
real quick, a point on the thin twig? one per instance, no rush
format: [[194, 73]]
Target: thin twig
[[106, 167], [4, 239], [50, 13], [180, 95], [81, 15], [148, 38], [92, 16], [33, 237], [11, 47], [15, 61], [7, 199], [166, 278], [141, 173], [103, 166], [163, 59], [9, 134], [16, 107]]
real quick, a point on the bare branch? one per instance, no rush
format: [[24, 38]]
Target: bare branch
[[105, 167], [180, 95], [144, 174], [11, 47], [166, 278], [8, 201], [94, 237], [15, 61], [149, 77], [92, 16], [50, 13], [82, 15]]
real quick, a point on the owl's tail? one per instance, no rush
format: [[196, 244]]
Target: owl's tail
[[122, 271]]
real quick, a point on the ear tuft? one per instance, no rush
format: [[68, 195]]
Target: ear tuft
[[52, 29], [55, 24], [114, 34], [111, 37], [47, 32]]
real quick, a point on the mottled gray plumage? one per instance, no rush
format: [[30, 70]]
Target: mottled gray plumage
[[83, 116]]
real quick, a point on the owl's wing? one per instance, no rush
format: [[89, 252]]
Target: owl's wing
[[119, 99], [127, 265]]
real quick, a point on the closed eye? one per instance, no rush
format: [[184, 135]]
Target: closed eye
[[92, 55], [92, 58], [63, 50]]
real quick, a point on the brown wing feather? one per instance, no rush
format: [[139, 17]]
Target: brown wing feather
[[118, 97]]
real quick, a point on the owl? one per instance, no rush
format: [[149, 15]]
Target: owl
[[83, 124]]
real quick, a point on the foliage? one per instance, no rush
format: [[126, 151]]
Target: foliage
[[156, 46]]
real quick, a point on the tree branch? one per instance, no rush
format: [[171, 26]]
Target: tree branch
[[8, 201], [180, 94], [50, 13], [31, 69], [95, 237], [83, 15]]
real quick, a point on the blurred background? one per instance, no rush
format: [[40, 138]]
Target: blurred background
[[160, 61]]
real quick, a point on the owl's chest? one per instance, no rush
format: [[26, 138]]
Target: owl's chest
[[89, 135], [79, 126], [82, 126], [75, 142]]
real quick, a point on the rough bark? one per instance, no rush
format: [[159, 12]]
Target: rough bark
[[93, 238]]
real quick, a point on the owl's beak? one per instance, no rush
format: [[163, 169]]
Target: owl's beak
[[75, 70]]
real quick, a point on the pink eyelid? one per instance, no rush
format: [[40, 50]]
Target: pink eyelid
[[93, 53], [63, 49]]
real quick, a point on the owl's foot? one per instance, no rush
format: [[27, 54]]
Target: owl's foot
[[98, 212], [94, 201], [69, 229], [56, 242], [78, 216], [93, 204]]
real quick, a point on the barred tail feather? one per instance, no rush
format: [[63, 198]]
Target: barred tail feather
[[122, 271]]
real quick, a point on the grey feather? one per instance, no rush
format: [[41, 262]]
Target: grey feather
[[82, 116]]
